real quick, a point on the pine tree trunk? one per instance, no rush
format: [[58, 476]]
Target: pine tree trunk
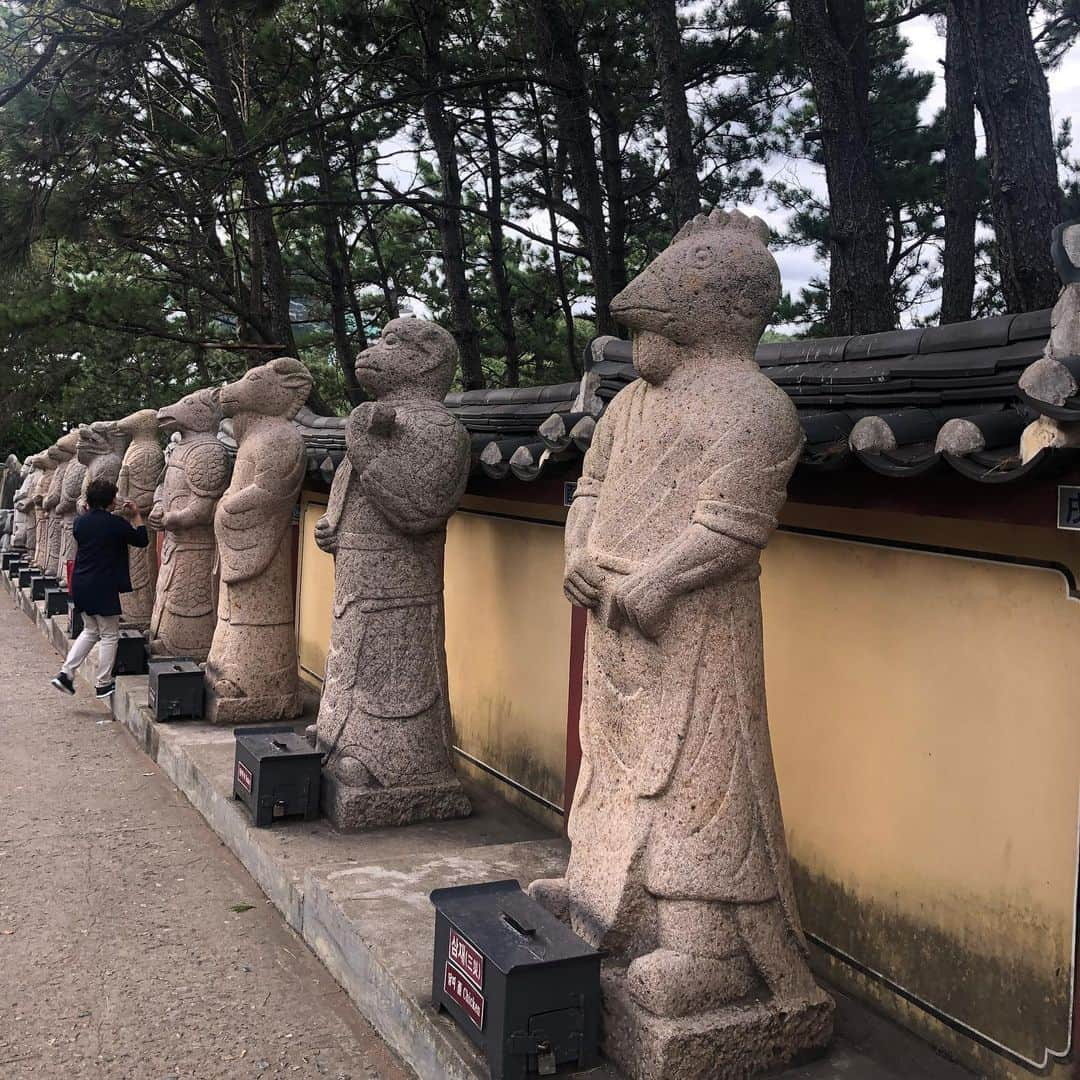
[[833, 39], [274, 281], [961, 183], [448, 216], [499, 276], [547, 179], [557, 52], [334, 258], [1014, 103], [607, 110], [684, 190]]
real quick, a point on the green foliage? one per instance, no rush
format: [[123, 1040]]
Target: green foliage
[[137, 260]]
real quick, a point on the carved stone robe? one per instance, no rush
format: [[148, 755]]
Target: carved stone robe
[[196, 472], [385, 700], [67, 509], [41, 518], [25, 534], [139, 475], [251, 669], [674, 734]]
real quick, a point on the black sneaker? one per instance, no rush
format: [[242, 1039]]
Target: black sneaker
[[105, 691], [63, 683]]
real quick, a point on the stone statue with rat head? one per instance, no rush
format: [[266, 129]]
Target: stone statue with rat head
[[195, 477], [679, 866], [251, 671], [384, 719], [140, 472]]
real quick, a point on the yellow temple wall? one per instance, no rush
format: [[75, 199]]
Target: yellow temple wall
[[920, 678]]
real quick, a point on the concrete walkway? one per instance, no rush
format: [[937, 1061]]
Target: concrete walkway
[[122, 950]]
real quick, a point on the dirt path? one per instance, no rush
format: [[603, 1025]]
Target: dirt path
[[121, 954]]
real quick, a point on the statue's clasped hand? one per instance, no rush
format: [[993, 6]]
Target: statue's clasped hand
[[325, 535], [642, 603], [584, 581], [381, 417]]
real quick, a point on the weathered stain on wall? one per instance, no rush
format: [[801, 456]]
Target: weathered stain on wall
[[928, 758], [508, 652], [1009, 980]]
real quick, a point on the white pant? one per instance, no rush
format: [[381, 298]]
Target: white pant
[[103, 628]]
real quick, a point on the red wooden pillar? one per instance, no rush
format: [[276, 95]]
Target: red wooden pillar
[[573, 710]]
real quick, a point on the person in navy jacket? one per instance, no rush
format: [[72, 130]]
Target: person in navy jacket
[[101, 574]]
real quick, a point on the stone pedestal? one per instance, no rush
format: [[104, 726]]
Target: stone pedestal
[[351, 808], [735, 1041]]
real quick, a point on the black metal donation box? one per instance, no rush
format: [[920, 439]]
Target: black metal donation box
[[39, 583], [130, 653], [177, 689], [277, 774], [523, 986], [56, 601]]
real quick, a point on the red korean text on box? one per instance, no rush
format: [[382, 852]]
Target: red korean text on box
[[456, 986], [470, 960], [243, 774]]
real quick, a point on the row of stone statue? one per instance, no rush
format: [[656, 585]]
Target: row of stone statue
[[223, 593], [223, 590]]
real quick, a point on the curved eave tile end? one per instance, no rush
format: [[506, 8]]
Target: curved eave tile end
[[886, 465]]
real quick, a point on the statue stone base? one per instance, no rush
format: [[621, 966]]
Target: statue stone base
[[352, 809], [734, 1041], [261, 685]]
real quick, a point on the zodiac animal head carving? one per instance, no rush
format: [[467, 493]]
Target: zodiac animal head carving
[[411, 358], [278, 388], [100, 438], [715, 285], [197, 412], [67, 444], [57, 453], [138, 423]]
